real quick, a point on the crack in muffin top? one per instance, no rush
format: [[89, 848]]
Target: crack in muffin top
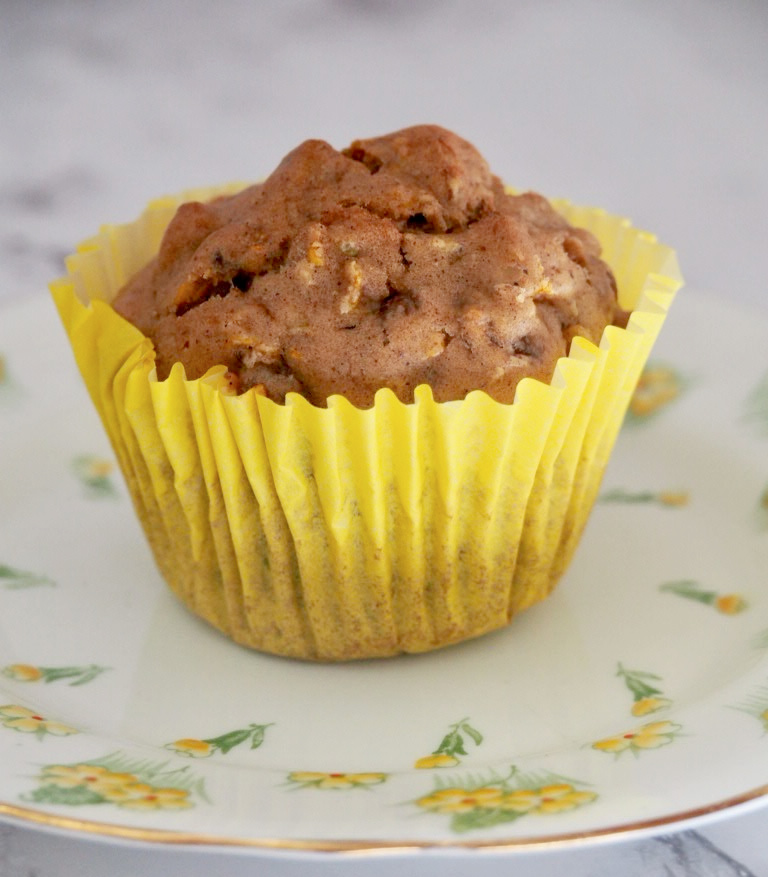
[[398, 261]]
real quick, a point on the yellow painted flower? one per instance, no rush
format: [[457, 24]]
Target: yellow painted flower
[[554, 798], [646, 705], [764, 717], [23, 672], [730, 604], [455, 800], [96, 467], [649, 736], [520, 801], [335, 780], [561, 797], [311, 777], [192, 746], [94, 473], [674, 497], [438, 760], [20, 718], [99, 779], [366, 779], [142, 796], [658, 385]]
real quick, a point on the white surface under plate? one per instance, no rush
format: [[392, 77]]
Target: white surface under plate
[[633, 698]]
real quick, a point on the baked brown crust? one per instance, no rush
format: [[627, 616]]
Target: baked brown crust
[[397, 262]]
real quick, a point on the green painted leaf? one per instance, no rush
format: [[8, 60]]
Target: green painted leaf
[[12, 578], [690, 589], [76, 795], [762, 507], [446, 744], [228, 741], [54, 674], [635, 680], [669, 498], [10, 390], [79, 675], [453, 742], [89, 674], [481, 818], [473, 733], [619, 494], [94, 474], [257, 735], [458, 748], [756, 407]]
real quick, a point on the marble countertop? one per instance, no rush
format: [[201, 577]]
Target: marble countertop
[[657, 110]]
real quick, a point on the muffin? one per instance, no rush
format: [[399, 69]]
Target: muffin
[[398, 262], [364, 407]]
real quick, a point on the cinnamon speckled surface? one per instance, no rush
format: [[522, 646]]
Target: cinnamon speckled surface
[[398, 261]]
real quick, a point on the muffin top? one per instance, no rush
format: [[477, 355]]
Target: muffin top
[[398, 261]]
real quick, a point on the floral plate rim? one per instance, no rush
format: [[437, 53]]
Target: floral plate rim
[[674, 822]]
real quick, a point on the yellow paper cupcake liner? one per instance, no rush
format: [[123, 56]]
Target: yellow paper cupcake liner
[[337, 533]]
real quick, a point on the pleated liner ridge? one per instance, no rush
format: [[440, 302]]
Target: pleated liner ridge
[[338, 533]]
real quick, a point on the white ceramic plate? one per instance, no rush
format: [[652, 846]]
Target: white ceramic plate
[[634, 697]]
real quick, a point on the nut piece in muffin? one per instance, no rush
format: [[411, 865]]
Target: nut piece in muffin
[[398, 261]]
